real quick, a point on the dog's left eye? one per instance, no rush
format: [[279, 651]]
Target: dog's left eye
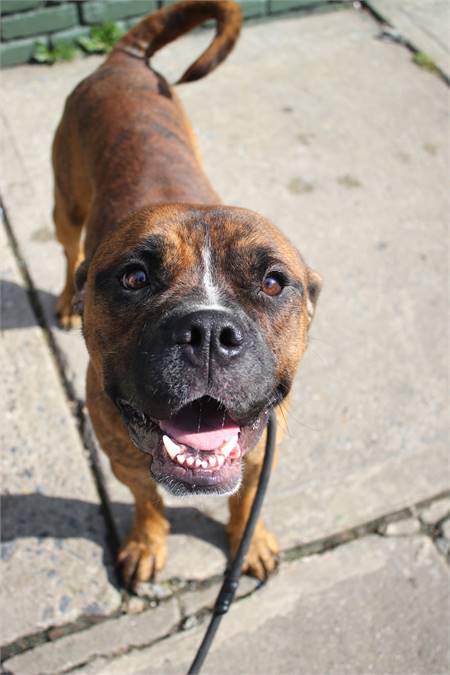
[[272, 284], [133, 280]]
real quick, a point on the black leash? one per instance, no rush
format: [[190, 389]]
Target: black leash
[[232, 575]]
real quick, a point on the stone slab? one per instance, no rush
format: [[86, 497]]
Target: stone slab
[[425, 25], [378, 605], [54, 562], [114, 636], [341, 140]]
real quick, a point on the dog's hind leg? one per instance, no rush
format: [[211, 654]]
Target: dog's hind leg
[[68, 224]]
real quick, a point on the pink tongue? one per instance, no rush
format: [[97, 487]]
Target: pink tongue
[[209, 439]]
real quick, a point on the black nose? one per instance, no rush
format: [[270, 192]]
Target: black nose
[[209, 334]]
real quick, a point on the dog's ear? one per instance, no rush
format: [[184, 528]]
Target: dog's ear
[[80, 284], [313, 292]]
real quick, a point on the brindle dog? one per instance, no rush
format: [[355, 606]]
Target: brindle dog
[[195, 314]]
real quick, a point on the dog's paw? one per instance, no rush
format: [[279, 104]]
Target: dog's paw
[[140, 559], [263, 553], [67, 317]]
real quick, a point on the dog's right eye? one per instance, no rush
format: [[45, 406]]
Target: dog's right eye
[[133, 280]]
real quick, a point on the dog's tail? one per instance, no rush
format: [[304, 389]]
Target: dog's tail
[[166, 25]]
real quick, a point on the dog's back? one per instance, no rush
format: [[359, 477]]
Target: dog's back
[[106, 154]]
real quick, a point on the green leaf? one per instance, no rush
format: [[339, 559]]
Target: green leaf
[[42, 54], [101, 39], [424, 61], [62, 52]]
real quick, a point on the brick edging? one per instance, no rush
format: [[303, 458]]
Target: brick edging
[[27, 23]]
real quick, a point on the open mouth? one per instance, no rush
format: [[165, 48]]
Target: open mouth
[[197, 450]]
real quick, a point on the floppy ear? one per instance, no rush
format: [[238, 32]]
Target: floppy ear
[[80, 283], [313, 292]]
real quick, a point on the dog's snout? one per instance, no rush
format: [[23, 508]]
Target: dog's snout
[[209, 334]]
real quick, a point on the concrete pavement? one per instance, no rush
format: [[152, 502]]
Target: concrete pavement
[[341, 140]]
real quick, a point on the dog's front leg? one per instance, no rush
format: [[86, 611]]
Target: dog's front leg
[[144, 552], [262, 556]]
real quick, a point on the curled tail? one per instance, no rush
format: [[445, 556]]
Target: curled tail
[[166, 25]]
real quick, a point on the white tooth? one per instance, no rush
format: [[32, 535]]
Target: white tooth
[[212, 460], [220, 460], [189, 460], [181, 458], [172, 448], [198, 463], [228, 447], [204, 464]]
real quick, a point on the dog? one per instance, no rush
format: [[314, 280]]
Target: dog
[[195, 314]]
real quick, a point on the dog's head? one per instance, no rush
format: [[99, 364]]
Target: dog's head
[[195, 319]]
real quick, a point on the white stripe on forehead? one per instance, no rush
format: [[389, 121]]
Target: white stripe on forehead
[[212, 291]]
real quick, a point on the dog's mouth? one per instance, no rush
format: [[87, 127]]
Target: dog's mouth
[[198, 449]]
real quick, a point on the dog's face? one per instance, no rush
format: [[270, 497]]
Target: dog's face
[[195, 320]]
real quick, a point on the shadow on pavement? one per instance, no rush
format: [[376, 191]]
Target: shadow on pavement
[[41, 516], [16, 311]]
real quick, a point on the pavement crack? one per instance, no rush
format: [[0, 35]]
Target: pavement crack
[[376, 526], [390, 33], [33, 640], [55, 633]]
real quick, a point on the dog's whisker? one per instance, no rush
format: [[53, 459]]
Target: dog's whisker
[[283, 414], [300, 423], [313, 338]]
